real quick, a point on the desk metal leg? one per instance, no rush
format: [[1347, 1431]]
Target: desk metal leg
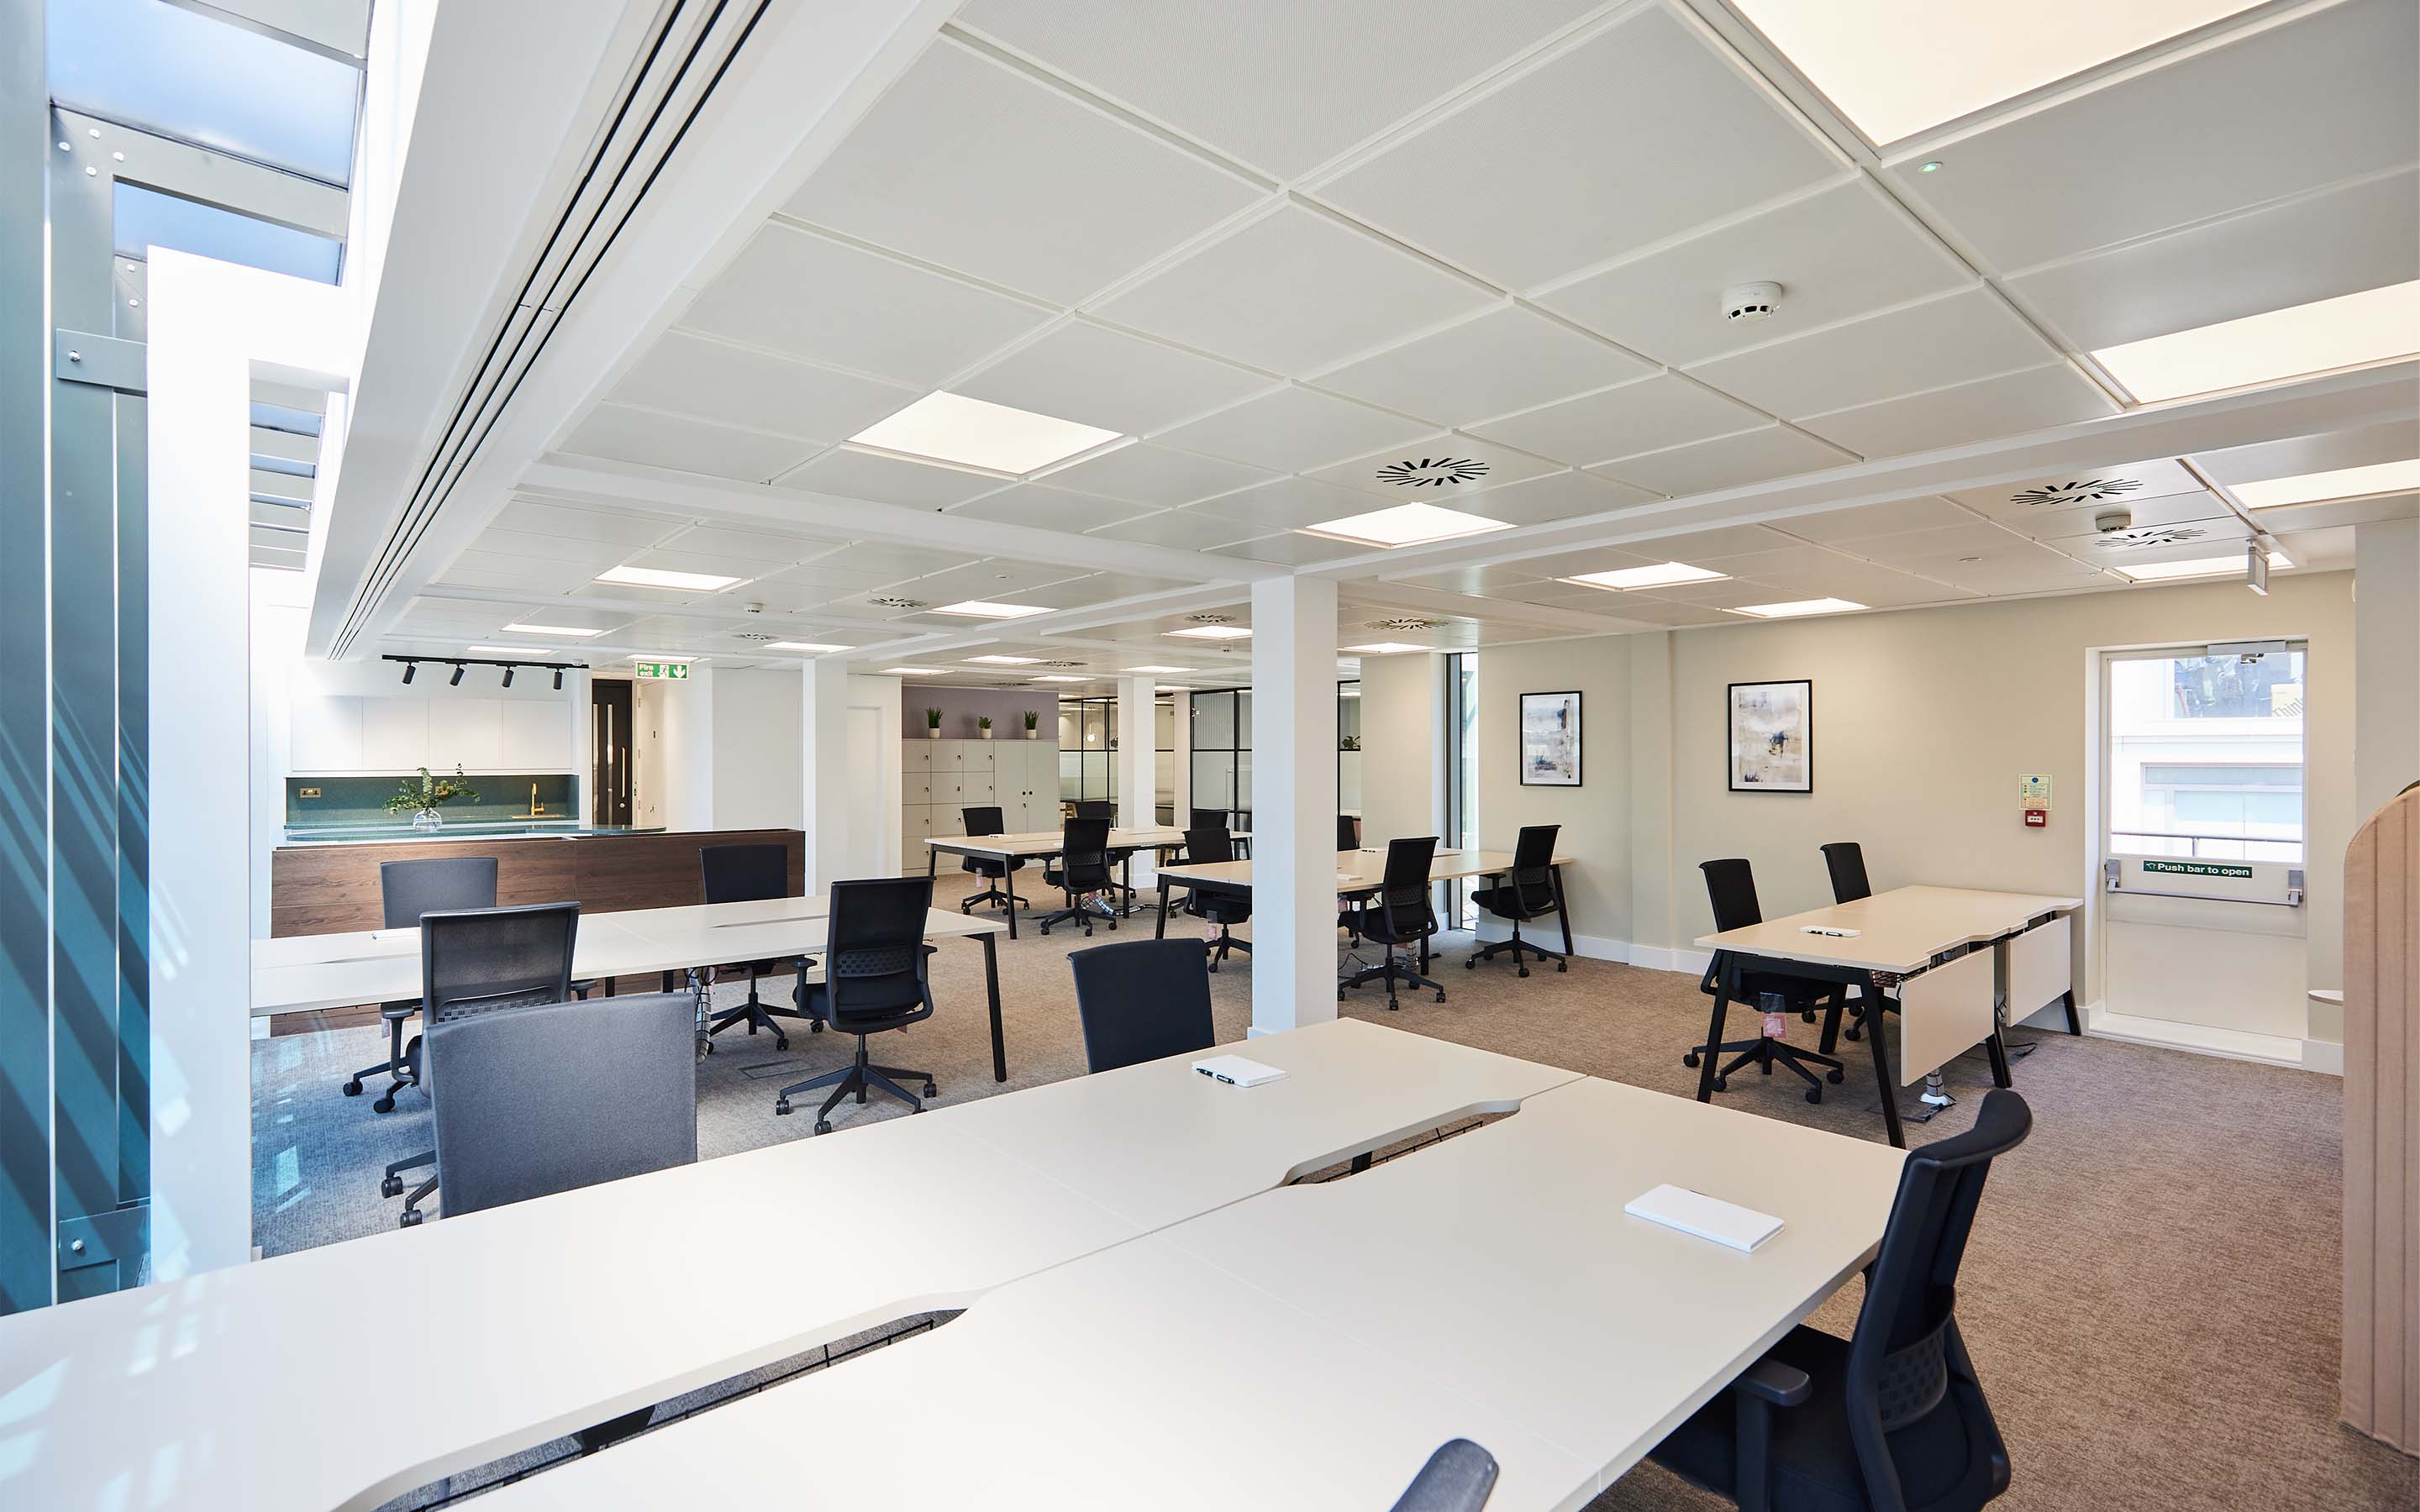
[[1561, 912], [2074, 1024], [1011, 911], [932, 862], [991, 995], [1999, 1052], [1873, 992], [1724, 981], [1159, 931]]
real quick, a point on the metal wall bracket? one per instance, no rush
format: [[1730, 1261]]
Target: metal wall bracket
[[104, 362]]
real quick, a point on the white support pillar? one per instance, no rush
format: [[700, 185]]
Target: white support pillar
[[1138, 781], [1294, 802], [829, 795]]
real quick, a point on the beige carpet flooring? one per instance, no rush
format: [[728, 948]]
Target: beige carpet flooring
[[2151, 1297]]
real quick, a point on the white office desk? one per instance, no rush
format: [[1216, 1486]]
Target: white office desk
[[1160, 1141], [1360, 871], [1946, 1008], [1041, 844]]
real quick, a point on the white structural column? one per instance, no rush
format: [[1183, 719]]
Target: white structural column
[[1138, 738], [830, 796], [1294, 802]]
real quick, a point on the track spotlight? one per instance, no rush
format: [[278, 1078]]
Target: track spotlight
[[558, 679], [456, 681], [508, 674], [411, 669], [2256, 568]]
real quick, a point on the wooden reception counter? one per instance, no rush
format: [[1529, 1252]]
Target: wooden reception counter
[[325, 886]]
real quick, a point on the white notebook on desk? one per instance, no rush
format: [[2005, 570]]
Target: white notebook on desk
[[1694, 1213], [1237, 1072]]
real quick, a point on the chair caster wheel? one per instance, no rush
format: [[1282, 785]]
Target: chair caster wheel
[[1853, 1032], [1525, 973], [816, 1027], [384, 1104], [1834, 1078], [1814, 1095], [1392, 1006], [1806, 1016], [931, 1091], [1722, 1084], [1441, 997], [1471, 965], [781, 1108], [707, 1048], [410, 1220], [780, 1042], [353, 1087], [1563, 965], [391, 1186], [823, 1126]]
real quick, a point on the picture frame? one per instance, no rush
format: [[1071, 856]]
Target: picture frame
[[1770, 729], [1550, 736]]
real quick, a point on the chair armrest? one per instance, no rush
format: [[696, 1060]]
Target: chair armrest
[[1770, 1381]]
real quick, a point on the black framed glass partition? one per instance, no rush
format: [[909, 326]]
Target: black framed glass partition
[[1348, 747], [1222, 752], [1087, 741]]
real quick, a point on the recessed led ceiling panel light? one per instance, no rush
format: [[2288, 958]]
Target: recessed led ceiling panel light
[[658, 655], [2340, 483], [552, 629], [913, 671], [1384, 648], [2191, 568], [1060, 677], [817, 646], [1156, 668], [705, 583], [1405, 525], [1003, 662], [950, 427], [508, 651], [1798, 606], [1664, 575], [2351, 329], [1898, 66], [977, 608], [1213, 632]]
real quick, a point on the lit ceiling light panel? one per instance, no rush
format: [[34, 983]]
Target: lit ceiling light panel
[[1797, 607], [1212, 632], [1405, 525], [1161, 669], [1898, 66], [2339, 482], [2368, 327], [950, 427], [977, 608], [1384, 648], [913, 671], [1003, 662], [1058, 677], [552, 629], [658, 655], [508, 651], [1664, 575], [2143, 572], [702, 582], [817, 646]]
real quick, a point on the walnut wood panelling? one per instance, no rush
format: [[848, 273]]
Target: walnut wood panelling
[[327, 889]]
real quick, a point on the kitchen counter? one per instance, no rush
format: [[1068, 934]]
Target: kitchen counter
[[402, 832]]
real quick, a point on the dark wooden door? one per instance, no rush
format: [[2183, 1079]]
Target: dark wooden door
[[609, 764]]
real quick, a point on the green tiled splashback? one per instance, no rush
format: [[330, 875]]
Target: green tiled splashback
[[362, 800]]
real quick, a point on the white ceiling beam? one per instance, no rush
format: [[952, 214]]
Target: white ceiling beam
[[1474, 607]]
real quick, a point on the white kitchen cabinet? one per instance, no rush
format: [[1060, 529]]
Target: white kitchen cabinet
[[394, 734], [466, 732], [537, 734], [327, 733]]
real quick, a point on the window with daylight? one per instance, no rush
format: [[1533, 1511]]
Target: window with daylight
[[2205, 755]]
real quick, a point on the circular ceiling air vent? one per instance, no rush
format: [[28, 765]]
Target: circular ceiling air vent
[[1403, 625], [751, 635], [896, 603], [2078, 491], [2154, 535], [1212, 619], [1432, 471], [1063, 666]]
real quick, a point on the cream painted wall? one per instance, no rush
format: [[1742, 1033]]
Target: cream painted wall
[[2386, 566], [1596, 816], [757, 782], [1402, 711]]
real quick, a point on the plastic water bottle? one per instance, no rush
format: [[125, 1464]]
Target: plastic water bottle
[[1776, 1014]]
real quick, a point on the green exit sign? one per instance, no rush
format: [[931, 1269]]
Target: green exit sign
[[2198, 869], [676, 671]]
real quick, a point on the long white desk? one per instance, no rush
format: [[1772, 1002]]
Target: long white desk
[[342, 1376], [1918, 945], [1041, 844]]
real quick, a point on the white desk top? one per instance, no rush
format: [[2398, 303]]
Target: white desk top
[[1899, 930], [1138, 1377], [1050, 842], [267, 1387], [1160, 1141], [296, 973], [1362, 869], [1500, 1263]]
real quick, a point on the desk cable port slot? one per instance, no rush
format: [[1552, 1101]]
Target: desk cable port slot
[[1452, 1128]]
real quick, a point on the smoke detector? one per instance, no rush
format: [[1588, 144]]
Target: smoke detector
[[2110, 521], [1744, 302]]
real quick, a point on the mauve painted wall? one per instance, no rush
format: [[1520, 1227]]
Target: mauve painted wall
[[960, 705]]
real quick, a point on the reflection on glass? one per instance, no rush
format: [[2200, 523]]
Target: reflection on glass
[[144, 220]]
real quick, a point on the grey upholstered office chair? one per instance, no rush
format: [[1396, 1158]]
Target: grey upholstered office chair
[[553, 1096], [752, 874], [1399, 915], [477, 961], [407, 890], [1459, 1477], [1891, 1418], [874, 981], [1730, 887], [1528, 892], [1140, 1000], [1225, 909]]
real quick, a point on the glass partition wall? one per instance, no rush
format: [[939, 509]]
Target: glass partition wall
[[1222, 753], [1348, 749], [1088, 738]]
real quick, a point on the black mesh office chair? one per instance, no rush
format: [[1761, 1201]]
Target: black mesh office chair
[[749, 873], [1105, 810], [1095, 809], [407, 890], [1526, 893], [1730, 887], [999, 873], [1208, 819], [1892, 1417], [1140, 1000], [1224, 909], [1845, 859], [1083, 869], [1399, 915], [874, 981], [1459, 1477], [480, 960], [554, 1096], [1348, 832]]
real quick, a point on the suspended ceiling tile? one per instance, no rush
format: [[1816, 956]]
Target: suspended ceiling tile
[[713, 380], [1838, 254], [1955, 338], [847, 473], [1495, 184], [2080, 523], [1050, 509], [2087, 487], [1898, 517], [749, 546], [1095, 376], [896, 563], [1556, 496], [1476, 579], [1296, 430], [542, 516], [1649, 415], [1292, 549], [1286, 503], [1292, 292], [1146, 473], [978, 166], [811, 297], [1451, 470], [1180, 529], [1506, 360], [1940, 542], [989, 581], [2367, 446], [546, 546], [1727, 462], [486, 569], [2008, 405], [621, 434]]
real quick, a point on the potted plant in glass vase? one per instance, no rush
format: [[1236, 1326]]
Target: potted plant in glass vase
[[983, 727], [1032, 723], [932, 724], [422, 799]]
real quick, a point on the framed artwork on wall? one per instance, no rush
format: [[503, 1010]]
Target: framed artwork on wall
[[1550, 740], [1773, 736]]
